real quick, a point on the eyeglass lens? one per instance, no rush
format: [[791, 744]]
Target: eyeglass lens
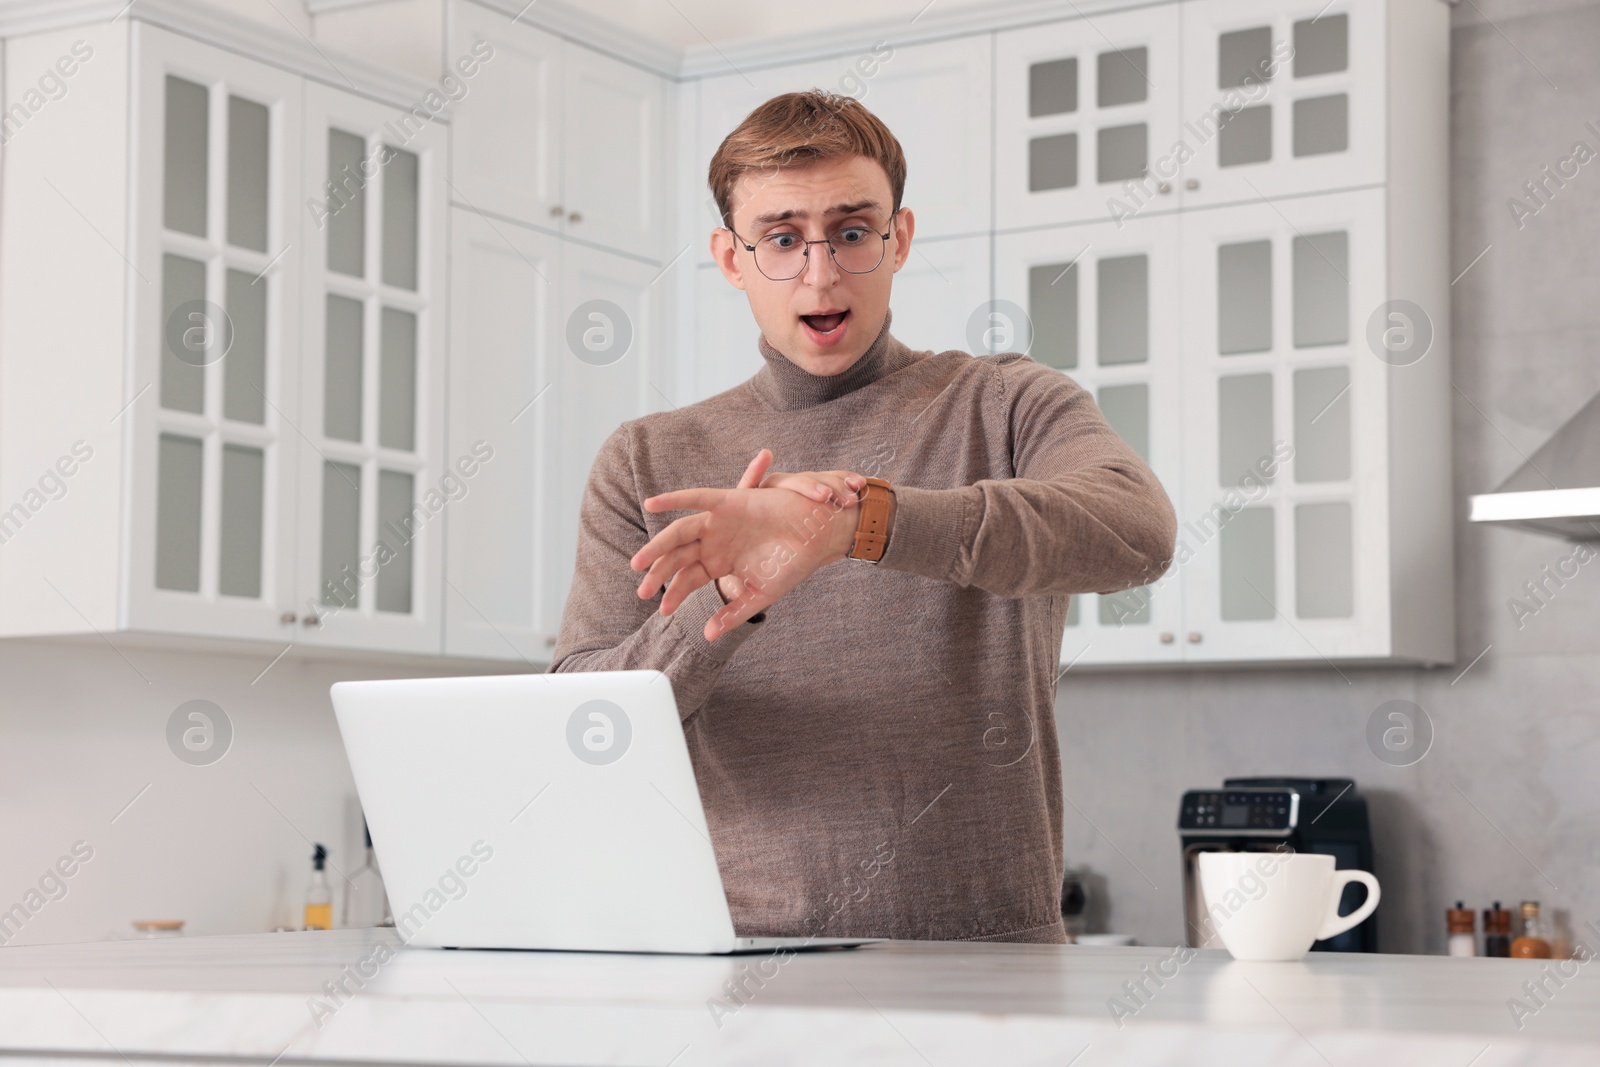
[[856, 249]]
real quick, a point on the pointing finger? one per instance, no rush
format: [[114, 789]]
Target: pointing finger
[[686, 499]]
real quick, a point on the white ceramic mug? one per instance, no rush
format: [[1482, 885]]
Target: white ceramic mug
[[1272, 905]]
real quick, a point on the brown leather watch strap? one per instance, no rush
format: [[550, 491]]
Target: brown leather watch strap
[[872, 526]]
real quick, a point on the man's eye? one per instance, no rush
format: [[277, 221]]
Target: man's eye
[[783, 242], [851, 235]]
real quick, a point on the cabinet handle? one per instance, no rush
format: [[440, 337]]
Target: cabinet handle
[[1192, 183], [1194, 637], [556, 211], [576, 216], [311, 620], [1163, 188], [1166, 637], [288, 618]]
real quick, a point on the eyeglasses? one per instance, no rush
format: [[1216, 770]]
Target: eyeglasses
[[782, 256]]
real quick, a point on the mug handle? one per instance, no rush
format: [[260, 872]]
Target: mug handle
[[1336, 924]]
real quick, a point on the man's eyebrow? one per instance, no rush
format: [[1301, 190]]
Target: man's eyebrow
[[853, 208]]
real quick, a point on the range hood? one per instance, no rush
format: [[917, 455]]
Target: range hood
[[1557, 492]]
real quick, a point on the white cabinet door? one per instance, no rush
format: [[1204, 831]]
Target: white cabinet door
[[504, 280], [614, 170], [373, 480], [604, 370], [1282, 97], [1086, 118], [1099, 304], [938, 291], [506, 153], [1285, 476], [216, 342]]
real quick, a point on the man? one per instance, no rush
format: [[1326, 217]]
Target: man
[[875, 742]]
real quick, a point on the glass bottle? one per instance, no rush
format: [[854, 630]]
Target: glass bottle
[[365, 901], [319, 897], [1532, 943]]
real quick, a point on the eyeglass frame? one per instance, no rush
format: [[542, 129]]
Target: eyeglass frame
[[833, 253]]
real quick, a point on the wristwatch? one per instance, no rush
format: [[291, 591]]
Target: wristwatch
[[872, 526]]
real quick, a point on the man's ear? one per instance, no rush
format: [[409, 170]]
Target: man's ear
[[905, 224], [725, 253]]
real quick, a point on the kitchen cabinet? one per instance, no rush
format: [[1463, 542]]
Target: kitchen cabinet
[[371, 412], [1099, 303], [1285, 484], [556, 135], [1186, 105], [1083, 109], [505, 280], [1302, 86], [216, 342], [555, 346], [267, 358], [1223, 309], [1225, 347]]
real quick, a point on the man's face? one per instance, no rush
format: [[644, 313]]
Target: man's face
[[824, 318]]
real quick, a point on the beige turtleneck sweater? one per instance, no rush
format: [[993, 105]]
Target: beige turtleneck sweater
[[878, 757]]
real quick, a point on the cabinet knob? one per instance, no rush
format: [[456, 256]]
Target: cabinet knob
[[556, 211], [1194, 637], [311, 620], [1192, 183], [576, 216], [1163, 188], [1166, 637], [288, 618]]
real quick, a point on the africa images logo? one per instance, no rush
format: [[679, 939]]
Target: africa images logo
[[598, 732]]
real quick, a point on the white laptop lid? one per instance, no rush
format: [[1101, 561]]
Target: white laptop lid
[[550, 811]]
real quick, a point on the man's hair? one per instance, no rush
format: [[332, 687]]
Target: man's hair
[[797, 130]]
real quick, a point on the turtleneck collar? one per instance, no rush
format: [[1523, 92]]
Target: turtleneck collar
[[786, 386]]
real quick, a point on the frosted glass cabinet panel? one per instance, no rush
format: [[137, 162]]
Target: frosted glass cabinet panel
[[1285, 477], [373, 487], [1085, 110], [1282, 97], [1096, 304], [212, 545]]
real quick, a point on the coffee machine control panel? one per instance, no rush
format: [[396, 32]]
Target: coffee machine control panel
[[1249, 812]]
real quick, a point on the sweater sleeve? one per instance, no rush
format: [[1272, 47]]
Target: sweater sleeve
[[1084, 514], [604, 625]]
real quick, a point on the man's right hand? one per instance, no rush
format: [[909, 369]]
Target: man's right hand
[[838, 486]]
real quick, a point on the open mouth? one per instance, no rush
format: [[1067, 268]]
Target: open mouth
[[825, 329]]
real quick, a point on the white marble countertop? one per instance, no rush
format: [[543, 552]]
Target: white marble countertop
[[262, 997]]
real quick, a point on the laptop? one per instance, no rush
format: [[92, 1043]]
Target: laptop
[[540, 811]]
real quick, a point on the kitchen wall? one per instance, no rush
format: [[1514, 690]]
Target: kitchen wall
[[1504, 805], [84, 756]]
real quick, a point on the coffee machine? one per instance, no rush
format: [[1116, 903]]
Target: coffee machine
[[1311, 815]]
